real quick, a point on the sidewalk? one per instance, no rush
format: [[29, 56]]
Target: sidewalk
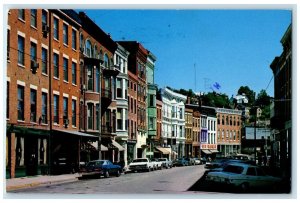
[[34, 181]]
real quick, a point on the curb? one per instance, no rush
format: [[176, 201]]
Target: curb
[[37, 184]]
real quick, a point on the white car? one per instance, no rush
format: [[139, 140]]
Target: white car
[[244, 177], [141, 164]]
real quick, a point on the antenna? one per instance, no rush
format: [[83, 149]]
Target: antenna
[[195, 77]]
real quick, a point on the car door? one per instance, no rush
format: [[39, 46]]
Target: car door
[[251, 177], [111, 167]]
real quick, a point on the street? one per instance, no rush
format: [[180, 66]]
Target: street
[[176, 180]]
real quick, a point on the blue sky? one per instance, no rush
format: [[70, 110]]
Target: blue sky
[[231, 47]]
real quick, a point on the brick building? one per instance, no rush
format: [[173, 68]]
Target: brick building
[[41, 55], [229, 131]]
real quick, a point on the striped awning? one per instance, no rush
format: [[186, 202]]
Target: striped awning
[[206, 151], [163, 150]]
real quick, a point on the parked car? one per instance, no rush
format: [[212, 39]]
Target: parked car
[[191, 161], [166, 162], [244, 177], [156, 164], [101, 168], [180, 162], [217, 163], [197, 161], [203, 160], [141, 164]]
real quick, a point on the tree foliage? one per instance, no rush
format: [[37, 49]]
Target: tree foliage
[[216, 100]]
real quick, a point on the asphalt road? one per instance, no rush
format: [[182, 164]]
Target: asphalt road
[[176, 180]]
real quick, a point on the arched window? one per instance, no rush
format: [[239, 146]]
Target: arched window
[[106, 61], [95, 51], [81, 42], [230, 120], [100, 55], [222, 120], [88, 48]]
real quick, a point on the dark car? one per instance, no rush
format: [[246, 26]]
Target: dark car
[[101, 168], [217, 163], [180, 162]]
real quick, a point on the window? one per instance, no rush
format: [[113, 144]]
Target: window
[[90, 73], [21, 55], [119, 88], [7, 99], [152, 100], [32, 105], [74, 44], [151, 123], [126, 121], [90, 115], [56, 65], [20, 103], [65, 34], [66, 71], [44, 108], [106, 61], [88, 48], [74, 75], [119, 119], [251, 171], [97, 116], [56, 108], [97, 79], [44, 18], [73, 112], [21, 14], [33, 18], [33, 52], [81, 44], [55, 29], [8, 44], [65, 109], [44, 60]]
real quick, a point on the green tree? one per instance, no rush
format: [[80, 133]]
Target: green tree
[[263, 99], [216, 100]]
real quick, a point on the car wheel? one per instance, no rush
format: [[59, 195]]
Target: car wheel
[[118, 173], [106, 174], [244, 187]]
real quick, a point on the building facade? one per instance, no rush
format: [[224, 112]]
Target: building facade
[[208, 128], [137, 68], [281, 122], [42, 92], [229, 128], [173, 122], [151, 104], [121, 63]]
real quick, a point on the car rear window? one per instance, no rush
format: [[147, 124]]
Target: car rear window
[[233, 169], [139, 160]]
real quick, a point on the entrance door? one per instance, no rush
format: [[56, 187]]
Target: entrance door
[[31, 155]]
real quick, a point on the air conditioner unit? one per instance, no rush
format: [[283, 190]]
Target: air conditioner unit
[[34, 66], [45, 28], [89, 73]]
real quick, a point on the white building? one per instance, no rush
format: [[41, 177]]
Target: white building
[[120, 59], [173, 121]]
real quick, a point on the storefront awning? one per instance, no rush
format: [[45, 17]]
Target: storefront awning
[[117, 145], [213, 151], [77, 133], [206, 151], [103, 148], [163, 150]]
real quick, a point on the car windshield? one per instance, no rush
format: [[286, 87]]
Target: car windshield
[[139, 160], [161, 159], [93, 163], [233, 169]]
